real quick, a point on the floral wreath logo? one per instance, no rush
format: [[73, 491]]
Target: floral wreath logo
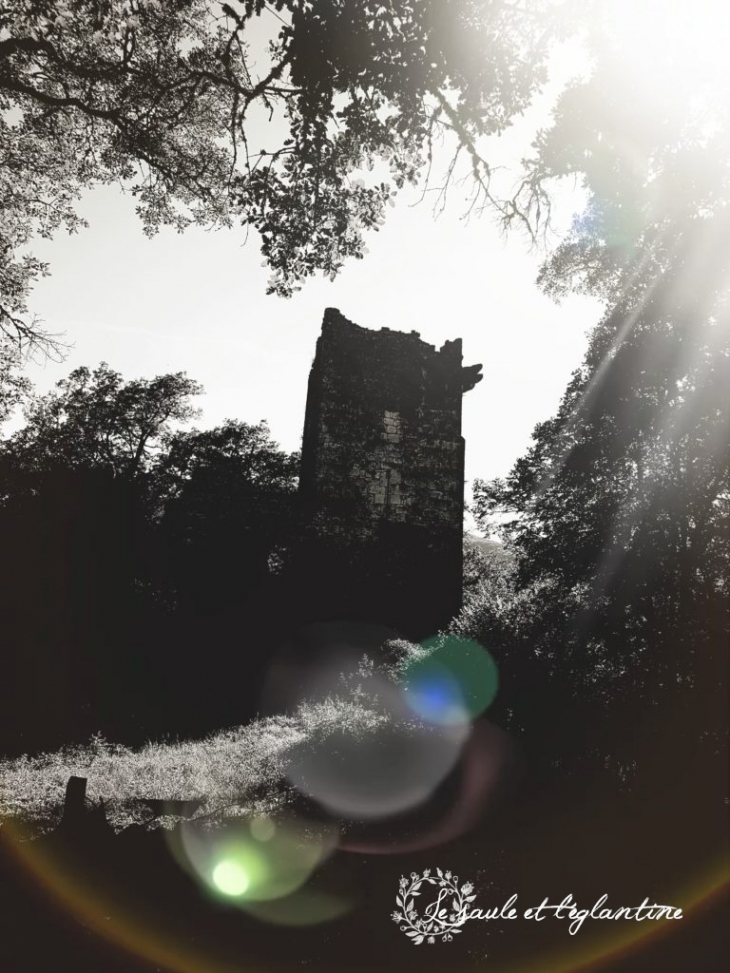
[[443, 918]]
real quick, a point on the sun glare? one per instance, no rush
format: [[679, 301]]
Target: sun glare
[[230, 878], [674, 47]]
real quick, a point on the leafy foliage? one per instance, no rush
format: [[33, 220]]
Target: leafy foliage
[[228, 499], [302, 120], [645, 132], [271, 112], [617, 516], [96, 420], [620, 508], [130, 533], [14, 387]]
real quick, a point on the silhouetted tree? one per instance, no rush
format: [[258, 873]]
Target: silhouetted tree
[[121, 535], [622, 503], [619, 519], [96, 420], [173, 100], [618, 514], [76, 486], [228, 496]]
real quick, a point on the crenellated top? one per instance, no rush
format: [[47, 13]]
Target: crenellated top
[[444, 360]]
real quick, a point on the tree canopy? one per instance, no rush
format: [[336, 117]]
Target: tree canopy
[[303, 119], [646, 131], [94, 419], [123, 535], [618, 513], [298, 119]]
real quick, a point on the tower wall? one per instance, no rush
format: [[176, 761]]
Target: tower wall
[[382, 476]]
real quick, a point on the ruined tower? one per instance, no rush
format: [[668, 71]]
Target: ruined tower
[[382, 477]]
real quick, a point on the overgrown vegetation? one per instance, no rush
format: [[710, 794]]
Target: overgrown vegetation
[[174, 100], [231, 773], [608, 602], [125, 535], [235, 772]]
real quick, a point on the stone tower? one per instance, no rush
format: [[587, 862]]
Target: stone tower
[[382, 476]]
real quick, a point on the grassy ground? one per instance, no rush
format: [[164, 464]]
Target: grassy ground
[[236, 771]]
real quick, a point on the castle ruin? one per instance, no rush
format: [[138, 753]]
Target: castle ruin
[[382, 475]]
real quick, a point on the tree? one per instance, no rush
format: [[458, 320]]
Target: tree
[[141, 542], [646, 132], [493, 612], [614, 613], [620, 510], [96, 420], [76, 500], [307, 138], [228, 500], [174, 101], [14, 388], [233, 458]]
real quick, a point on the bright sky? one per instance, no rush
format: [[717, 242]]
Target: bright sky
[[196, 302]]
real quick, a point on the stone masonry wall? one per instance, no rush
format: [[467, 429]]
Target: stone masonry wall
[[382, 473]]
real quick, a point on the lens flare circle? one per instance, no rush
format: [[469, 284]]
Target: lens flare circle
[[232, 861], [434, 694], [263, 829], [384, 769], [230, 878], [363, 757], [454, 681]]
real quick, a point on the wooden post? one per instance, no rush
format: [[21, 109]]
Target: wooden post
[[74, 808]]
